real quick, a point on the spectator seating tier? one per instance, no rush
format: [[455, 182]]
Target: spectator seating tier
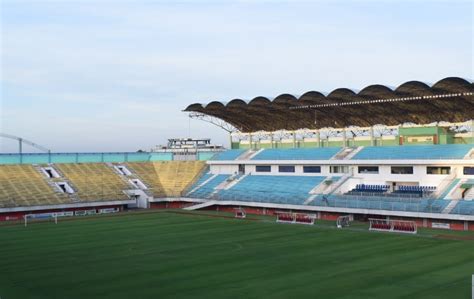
[[442, 151], [324, 153]]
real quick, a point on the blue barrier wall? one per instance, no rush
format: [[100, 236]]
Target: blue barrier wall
[[83, 158]]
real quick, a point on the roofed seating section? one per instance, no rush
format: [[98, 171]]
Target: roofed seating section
[[324, 153], [228, 155], [94, 181], [22, 185], [442, 151], [168, 178], [273, 189]]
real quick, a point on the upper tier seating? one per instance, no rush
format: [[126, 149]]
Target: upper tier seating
[[271, 188], [207, 189], [228, 155], [94, 181], [324, 153], [168, 178], [22, 185], [442, 151]]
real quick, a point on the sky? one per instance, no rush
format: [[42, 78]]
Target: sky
[[83, 75]]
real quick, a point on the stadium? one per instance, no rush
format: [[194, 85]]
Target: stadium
[[379, 173]]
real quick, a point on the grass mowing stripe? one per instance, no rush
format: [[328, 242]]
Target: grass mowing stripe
[[170, 255]]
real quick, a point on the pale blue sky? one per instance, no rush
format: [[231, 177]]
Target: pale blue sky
[[115, 75]]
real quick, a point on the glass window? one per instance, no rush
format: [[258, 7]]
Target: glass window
[[402, 169], [339, 169], [312, 169], [438, 170], [286, 168], [468, 170], [368, 169], [263, 168]]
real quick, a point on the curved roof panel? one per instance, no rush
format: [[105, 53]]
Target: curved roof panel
[[450, 99]]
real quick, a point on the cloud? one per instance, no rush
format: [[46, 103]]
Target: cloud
[[116, 75]]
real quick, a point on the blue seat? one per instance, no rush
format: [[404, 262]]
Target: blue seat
[[324, 153], [441, 151], [207, 189], [272, 189], [228, 155]]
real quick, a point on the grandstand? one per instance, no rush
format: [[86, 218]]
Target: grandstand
[[315, 154]]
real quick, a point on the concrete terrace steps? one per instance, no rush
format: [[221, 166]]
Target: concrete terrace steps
[[202, 184], [452, 204], [450, 188]]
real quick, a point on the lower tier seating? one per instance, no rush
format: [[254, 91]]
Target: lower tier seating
[[464, 207], [382, 203], [94, 181], [272, 188], [206, 190], [22, 185], [168, 178]]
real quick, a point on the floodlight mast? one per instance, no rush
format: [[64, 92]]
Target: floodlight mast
[[26, 141]]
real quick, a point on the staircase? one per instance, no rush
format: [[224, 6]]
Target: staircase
[[52, 182], [202, 184], [338, 184], [452, 204], [345, 153], [469, 195], [127, 178], [449, 189], [235, 181], [249, 154]]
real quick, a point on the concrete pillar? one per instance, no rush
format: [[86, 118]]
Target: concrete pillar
[[372, 140], [344, 137]]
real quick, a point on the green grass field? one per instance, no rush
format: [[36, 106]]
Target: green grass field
[[168, 255]]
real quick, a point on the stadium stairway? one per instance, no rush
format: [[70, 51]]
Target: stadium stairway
[[205, 187], [52, 182], [128, 177], [451, 205], [449, 189], [94, 181], [346, 153], [201, 205]]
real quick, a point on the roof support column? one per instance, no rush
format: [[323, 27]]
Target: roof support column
[[344, 137], [371, 131]]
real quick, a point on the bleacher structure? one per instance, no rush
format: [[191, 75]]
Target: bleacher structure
[[94, 181], [373, 153], [409, 185], [23, 185]]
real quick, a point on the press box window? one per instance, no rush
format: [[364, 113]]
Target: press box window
[[438, 170], [402, 169], [339, 169], [263, 168], [369, 169], [312, 169], [468, 170], [286, 168]]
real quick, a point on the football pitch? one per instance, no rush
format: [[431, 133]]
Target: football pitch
[[171, 255]]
